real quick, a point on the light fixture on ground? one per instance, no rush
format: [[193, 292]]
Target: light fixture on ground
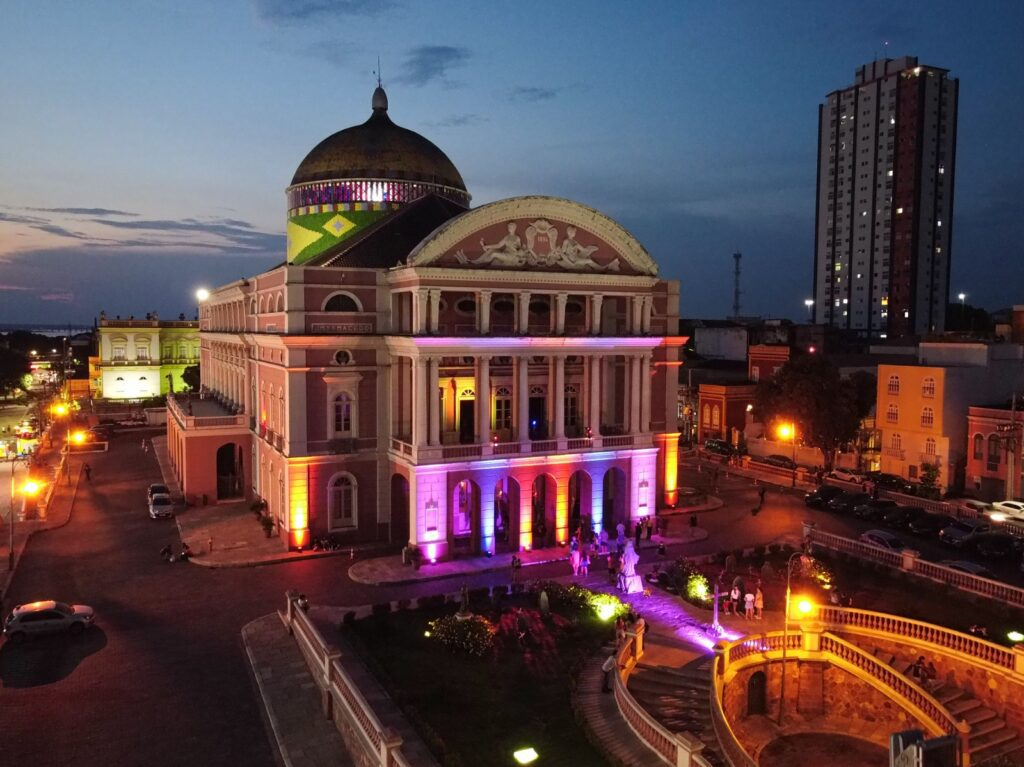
[[1015, 636], [525, 755]]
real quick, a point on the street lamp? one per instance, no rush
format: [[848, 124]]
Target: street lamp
[[202, 294], [29, 489], [809, 303], [805, 606], [788, 431]]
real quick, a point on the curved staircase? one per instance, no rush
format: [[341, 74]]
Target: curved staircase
[[679, 699]]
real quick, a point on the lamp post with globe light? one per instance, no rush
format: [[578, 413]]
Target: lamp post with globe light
[[788, 431], [29, 489], [809, 303], [804, 606], [963, 308]]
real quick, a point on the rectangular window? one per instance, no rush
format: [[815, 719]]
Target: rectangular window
[[503, 413]]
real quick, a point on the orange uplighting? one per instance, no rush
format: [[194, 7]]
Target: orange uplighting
[[59, 409], [671, 447], [78, 437], [805, 606], [31, 487], [785, 431]]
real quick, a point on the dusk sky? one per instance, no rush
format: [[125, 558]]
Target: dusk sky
[[146, 146]]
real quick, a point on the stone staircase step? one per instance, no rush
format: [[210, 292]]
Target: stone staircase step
[[694, 673], [1007, 747], [947, 694], [979, 715], [986, 726], [994, 738], [963, 705]]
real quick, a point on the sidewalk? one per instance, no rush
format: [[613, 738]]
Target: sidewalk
[[390, 570]]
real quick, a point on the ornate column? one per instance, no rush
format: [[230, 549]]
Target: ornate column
[[434, 433], [560, 299], [523, 399], [420, 311], [636, 314], [594, 409], [435, 309], [483, 399], [559, 397], [419, 401], [648, 308], [596, 304], [645, 392], [634, 394], [523, 313], [483, 312]]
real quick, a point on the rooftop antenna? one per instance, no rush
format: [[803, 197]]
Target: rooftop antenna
[[377, 72], [736, 285]]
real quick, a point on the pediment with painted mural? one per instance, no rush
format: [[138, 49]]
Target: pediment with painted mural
[[537, 244]]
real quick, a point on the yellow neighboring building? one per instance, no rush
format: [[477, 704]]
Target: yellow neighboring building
[[922, 409], [139, 359]]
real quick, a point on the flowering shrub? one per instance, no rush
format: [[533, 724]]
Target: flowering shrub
[[474, 636], [690, 583], [607, 606], [569, 600]]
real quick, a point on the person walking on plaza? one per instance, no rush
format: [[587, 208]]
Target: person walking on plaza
[[733, 605], [748, 606], [760, 496], [638, 533], [608, 667], [574, 555], [585, 563], [88, 472], [603, 542], [650, 526], [759, 604]]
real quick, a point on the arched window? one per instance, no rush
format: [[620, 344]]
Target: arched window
[[993, 448], [896, 442], [707, 415], [342, 302], [343, 414], [341, 502], [278, 303], [928, 387], [892, 413], [927, 417], [894, 384], [929, 446], [979, 447], [716, 416]]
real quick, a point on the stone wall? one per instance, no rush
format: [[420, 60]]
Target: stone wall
[[848, 699], [998, 692]]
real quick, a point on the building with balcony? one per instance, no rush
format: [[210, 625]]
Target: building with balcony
[[467, 381], [922, 409], [144, 358], [994, 451]]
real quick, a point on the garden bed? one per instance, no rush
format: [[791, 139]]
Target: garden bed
[[478, 690]]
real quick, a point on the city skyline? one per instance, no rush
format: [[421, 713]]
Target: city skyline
[[155, 155]]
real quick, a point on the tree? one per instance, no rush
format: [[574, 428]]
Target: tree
[[809, 392], [190, 376], [14, 366], [930, 481]]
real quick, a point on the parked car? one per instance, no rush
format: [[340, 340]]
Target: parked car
[[782, 461], [157, 489], [887, 481], [718, 447], [966, 566], [47, 617], [876, 508], [994, 545], [901, 516], [102, 433], [960, 529], [929, 524], [161, 506], [846, 475], [973, 508], [1012, 509], [819, 497], [847, 502], [883, 539]]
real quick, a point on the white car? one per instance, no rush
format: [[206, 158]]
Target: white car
[[161, 505], [1012, 509], [47, 617], [846, 475]]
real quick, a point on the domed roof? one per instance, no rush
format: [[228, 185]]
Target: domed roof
[[378, 149]]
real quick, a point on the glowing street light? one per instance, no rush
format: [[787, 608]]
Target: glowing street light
[[29, 489], [1015, 636], [78, 437], [202, 294], [809, 303], [788, 431], [525, 755], [804, 607]]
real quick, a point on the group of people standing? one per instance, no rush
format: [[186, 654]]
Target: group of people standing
[[582, 551], [752, 601]]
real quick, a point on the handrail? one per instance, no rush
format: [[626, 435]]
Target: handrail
[[847, 619]]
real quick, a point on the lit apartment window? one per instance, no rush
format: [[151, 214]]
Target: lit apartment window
[[892, 413], [927, 417], [928, 387], [929, 446], [894, 384], [896, 442]]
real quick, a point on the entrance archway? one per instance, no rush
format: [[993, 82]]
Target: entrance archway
[[616, 509], [580, 499], [399, 532], [464, 529], [756, 694], [506, 515], [544, 497], [229, 471]]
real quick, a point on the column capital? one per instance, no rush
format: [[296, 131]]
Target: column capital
[[563, 297], [485, 292]]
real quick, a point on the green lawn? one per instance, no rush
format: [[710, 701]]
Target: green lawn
[[477, 711]]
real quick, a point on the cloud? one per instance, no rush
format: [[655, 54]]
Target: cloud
[[458, 121], [62, 297], [13, 287], [427, 63], [83, 211], [298, 11], [531, 93]]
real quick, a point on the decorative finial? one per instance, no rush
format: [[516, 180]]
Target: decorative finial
[[380, 98]]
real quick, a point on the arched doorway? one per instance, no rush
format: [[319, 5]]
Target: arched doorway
[[400, 509], [616, 509], [580, 499], [544, 494], [506, 515], [757, 704], [464, 529], [229, 471]]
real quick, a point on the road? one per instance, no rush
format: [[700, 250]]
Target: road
[[163, 679]]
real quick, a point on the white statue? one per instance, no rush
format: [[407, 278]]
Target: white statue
[[508, 251], [629, 580]]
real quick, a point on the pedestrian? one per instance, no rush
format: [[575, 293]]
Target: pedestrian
[[608, 667], [760, 496], [603, 542], [733, 605], [574, 555], [714, 480], [613, 567], [917, 670], [585, 563], [638, 533], [88, 472], [650, 526], [517, 563], [620, 631], [748, 606], [759, 604]]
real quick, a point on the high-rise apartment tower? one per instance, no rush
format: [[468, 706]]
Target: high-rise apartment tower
[[883, 226]]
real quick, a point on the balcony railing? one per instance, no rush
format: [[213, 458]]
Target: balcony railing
[[189, 422], [430, 454], [894, 452]]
